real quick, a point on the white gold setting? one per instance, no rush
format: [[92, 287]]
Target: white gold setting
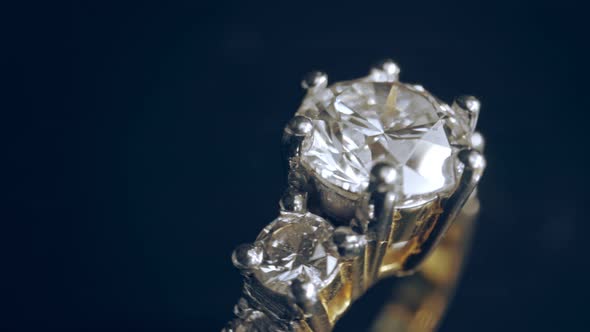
[[378, 170]]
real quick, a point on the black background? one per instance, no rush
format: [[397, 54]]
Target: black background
[[141, 144]]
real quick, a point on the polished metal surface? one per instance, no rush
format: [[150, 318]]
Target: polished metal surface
[[375, 236]]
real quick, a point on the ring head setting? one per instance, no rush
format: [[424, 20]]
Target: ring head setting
[[358, 124], [386, 163]]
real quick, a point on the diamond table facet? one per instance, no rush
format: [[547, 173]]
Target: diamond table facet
[[360, 123]]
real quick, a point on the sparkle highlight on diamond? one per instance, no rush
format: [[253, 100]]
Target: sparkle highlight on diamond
[[297, 246], [360, 123]]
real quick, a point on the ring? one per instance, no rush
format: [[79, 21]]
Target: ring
[[378, 172]]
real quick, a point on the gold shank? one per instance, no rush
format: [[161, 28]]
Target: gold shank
[[418, 301]]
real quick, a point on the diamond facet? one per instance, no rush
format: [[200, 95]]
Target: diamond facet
[[297, 246], [360, 123]]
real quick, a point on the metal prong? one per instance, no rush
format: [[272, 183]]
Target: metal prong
[[383, 178], [474, 164], [469, 105], [242, 308], [314, 80], [478, 142], [295, 132], [352, 246], [295, 197], [349, 243], [246, 257], [382, 189], [306, 297], [294, 200], [385, 71], [419, 87], [304, 293], [299, 126]]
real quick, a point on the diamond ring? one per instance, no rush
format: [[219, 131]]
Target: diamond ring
[[378, 172]]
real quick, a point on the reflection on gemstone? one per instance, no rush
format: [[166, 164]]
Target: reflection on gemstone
[[359, 123], [297, 246]]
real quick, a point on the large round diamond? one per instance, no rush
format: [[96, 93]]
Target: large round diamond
[[297, 246], [359, 123]]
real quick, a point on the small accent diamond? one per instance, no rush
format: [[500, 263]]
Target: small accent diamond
[[297, 246]]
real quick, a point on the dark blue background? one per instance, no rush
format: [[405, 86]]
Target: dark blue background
[[141, 144]]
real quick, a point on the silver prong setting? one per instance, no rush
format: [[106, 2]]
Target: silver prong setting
[[383, 180], [304, 293], [383, 177], [348, 242], [385, 71], [418, 87], [306, 296], [315, 80], [352, 247], [294, 200], [247, 257], [473, 167], [382, 197], [242, 309], [470, 106], [298, 128], [474, 163], [478, 141], [295, 197]]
